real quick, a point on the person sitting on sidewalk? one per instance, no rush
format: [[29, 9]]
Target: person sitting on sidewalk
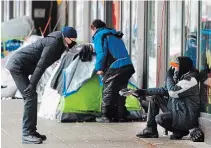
[[179, 101]]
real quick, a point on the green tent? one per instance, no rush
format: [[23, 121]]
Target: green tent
[[85, 104]]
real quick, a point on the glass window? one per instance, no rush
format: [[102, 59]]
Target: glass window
[[126, 23], [134, 37], [205, 62], [152, 43], [100, 10], [175, 29], [191, 21], [79, 19]]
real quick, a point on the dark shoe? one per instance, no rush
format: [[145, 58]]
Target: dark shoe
[[148, 133], [102, 120], [119, 120], [31, 139], [43, 137], [178, 136]]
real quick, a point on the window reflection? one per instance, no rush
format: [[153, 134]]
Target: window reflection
[[205, 51], [175, 29], [126, 23], [134, 37], [191, 15], [152, 43]]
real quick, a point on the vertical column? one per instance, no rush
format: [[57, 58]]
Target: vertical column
[[183, 29], [28, 8], [141, 41], [11, 9], [2, 11], [108, 13], [86, 13], [61, 15], [14, 9], [198, 56], [21, 8], [5, 10], [161, 41], [71, 11], [17, 8]]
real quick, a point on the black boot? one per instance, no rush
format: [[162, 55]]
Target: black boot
[[102, 119], [178, 136], [31, 139], [38, 135], [148, 133]]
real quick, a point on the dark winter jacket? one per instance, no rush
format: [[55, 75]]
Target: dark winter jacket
[[184, 101], [35, 58]]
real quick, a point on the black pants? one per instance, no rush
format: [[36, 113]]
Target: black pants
[[29, 122], [113, 105], [164, 119]]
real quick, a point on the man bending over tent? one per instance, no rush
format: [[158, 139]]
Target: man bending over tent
[[114, 64], [33, 60]]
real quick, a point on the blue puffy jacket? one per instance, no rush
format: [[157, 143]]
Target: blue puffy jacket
[[110, 45]]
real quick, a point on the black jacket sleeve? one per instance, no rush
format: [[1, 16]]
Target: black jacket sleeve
[[157, 91], [47, 58]]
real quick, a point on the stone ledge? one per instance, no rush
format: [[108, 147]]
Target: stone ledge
[[205, 125]]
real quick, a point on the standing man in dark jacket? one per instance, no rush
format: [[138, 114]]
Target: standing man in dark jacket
[[179, 101], [33, 60], [114, 64]]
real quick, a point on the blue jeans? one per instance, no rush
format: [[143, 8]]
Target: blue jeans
[[29, 121]]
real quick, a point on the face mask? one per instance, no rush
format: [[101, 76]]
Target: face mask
[[71, 44]]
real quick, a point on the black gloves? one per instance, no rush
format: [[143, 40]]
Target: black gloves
[[170, 72], [30, 90]]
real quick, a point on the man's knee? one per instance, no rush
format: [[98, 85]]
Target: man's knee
[[154, 98], [159, 119]]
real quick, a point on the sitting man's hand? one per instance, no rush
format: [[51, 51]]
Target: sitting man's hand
[[30, 90], [100, 72], [127, 92], [170, 72], [141, 92]]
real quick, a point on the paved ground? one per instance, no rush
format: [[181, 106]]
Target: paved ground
[[81, 135]]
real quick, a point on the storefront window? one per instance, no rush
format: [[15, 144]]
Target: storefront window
[[126, 23], [134, 37], [205, 52], [152, 43], [191, 21], [79, 19], [175, 29]]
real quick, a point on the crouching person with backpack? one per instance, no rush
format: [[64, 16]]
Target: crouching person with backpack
[[114, 65]]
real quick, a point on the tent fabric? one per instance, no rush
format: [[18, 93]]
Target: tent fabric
[[82, 95], [88, 107]]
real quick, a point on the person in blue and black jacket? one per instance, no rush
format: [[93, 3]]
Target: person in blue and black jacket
[[114, 65]]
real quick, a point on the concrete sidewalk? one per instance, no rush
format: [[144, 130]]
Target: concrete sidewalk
[[81, 135]]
